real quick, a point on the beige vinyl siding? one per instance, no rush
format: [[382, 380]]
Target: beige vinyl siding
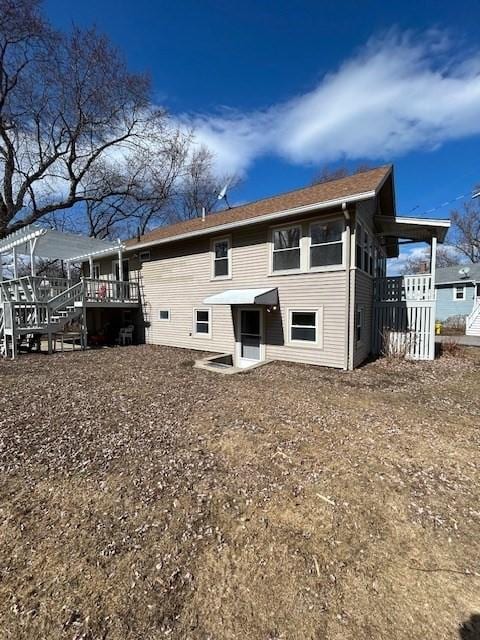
[[364, 297], [179, 278]]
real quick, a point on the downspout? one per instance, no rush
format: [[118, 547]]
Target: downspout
[[348, 251]]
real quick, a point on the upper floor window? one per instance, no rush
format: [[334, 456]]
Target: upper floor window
[[286, 248], [144, 256], [459, 293], [221, 258], [326, 243]]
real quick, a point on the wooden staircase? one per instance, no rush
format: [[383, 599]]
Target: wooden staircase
[[24, 316], [472, 326]]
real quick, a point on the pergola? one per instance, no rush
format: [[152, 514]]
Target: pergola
[[41, 242]]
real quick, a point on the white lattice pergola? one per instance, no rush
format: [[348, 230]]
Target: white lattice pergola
[[40, 242]]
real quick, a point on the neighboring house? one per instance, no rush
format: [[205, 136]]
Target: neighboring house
[[298, 277], [458, 291]]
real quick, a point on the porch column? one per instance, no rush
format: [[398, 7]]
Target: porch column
[[433, 258], [433, 310], [1, 267], [90, 262], [32, 257], [15, 268], [120, 262], [69, 274]]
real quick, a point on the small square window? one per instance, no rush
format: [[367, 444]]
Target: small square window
[[144, 256], [201, 322], [164, 314]]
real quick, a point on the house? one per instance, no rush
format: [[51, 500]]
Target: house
[[458, 295], [299, 277]]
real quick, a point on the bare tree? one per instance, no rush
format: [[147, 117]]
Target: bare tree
[[420, 263], [198, 189], [466, 231], [327, 174], [69, 108]]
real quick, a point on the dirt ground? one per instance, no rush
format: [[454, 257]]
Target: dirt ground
[[142, 499]]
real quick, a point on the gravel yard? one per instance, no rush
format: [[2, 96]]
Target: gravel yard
[[141, 498]]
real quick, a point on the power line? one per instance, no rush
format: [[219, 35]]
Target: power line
[[448, 203]]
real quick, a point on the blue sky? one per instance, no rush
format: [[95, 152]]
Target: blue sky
[[278, 89]]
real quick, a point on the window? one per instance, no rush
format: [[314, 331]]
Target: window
[[96, 272], [366, 245], [359, 323], [144, 256], [221, 258], [359, 243], [304, 327], [201, 322], [164, 315], [286, 249], [326, 244], [459, 293]]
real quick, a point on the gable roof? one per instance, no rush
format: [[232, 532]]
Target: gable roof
[[450, 275], [360, 186]]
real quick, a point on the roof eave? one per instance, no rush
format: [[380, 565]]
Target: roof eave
[[278, 215]]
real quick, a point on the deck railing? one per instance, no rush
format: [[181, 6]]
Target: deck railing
[[33, 288], [43, 289], [110, 291], [404, 288]]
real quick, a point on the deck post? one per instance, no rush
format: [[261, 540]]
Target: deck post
[[1, 268], [90, 263], [69, 273]]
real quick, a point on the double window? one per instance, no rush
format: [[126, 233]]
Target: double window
[[202, 322], [286, 248], [326, 243], [294, 248], [221, 256], [305, 327]]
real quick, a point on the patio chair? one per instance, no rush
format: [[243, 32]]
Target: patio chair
[[125, 335]]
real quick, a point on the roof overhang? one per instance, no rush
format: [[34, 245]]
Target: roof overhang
[[398, 228], [278, 215], [56, 245], [245, 296]]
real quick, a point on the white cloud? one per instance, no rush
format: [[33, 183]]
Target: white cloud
[[399, 93]]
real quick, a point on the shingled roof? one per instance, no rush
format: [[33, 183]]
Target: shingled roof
[[351, 188]]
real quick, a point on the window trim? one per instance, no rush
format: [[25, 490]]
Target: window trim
[[213, 242], [329, 267], [165, 319], [297, 225], [464, 293], [145, 252], [204, 336], [306, 344]]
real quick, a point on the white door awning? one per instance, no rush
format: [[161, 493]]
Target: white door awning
[[244, 296]]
